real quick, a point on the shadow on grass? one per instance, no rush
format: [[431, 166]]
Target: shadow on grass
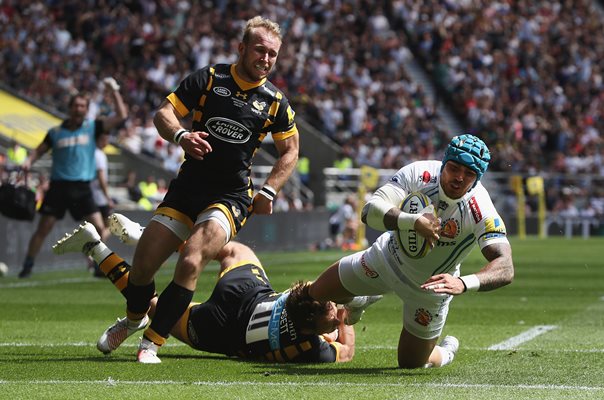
[[257, 366], [335, 370]]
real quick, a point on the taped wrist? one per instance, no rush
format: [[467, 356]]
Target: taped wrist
[[470, 282], [406, 221], [374, 212], [179, 135], [268, 192]]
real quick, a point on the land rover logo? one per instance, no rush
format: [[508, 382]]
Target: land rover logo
[[222, 91], [227, 130]]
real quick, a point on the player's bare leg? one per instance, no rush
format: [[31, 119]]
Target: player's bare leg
[[204, 243], [414, 352]]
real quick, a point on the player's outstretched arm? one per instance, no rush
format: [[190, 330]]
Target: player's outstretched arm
[[498, 272], [500, 269]]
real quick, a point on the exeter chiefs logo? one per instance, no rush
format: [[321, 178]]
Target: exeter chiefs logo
[[423, 316], [228, 130], [450, 228]]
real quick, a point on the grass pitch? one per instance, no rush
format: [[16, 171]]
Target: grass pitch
[[540, 338]]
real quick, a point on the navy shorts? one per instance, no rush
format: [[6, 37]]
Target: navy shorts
[[191, 200], [216, 325], [68, 195]]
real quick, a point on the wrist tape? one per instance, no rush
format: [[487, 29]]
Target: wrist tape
[[470, 282], [179, 134], [406, 221], [268, 192]]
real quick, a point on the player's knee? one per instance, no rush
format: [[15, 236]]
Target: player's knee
[[144, 267], [190, 265]]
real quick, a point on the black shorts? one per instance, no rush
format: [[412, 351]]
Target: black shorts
[[191, 201], [67, 195], [105, 211], [217, 326]]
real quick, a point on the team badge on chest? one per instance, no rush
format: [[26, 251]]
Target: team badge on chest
[[450, 228]]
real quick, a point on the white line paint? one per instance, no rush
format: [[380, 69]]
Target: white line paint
[[475, 348], [81, 344], [359, 348], [524, 337], [113, 382]]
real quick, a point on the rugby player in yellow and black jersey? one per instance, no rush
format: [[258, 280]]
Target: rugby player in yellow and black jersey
[[233, 108], [244, 316]]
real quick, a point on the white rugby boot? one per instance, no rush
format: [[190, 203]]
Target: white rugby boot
[[115, 335], [82, 239], [356, 307], [147, 352], [128, 231], [451, 345]]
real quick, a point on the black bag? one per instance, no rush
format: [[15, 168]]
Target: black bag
[[17, 201]]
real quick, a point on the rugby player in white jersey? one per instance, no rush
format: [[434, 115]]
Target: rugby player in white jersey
[[465, 217]]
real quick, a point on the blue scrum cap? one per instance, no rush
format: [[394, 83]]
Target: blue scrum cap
[[470, 151]]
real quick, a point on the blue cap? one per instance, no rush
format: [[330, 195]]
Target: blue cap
[[470, 151]]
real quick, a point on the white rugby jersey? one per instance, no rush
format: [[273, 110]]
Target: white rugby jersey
[[466, 222]]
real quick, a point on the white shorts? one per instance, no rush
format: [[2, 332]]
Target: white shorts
[[181, 229], [424, 313]]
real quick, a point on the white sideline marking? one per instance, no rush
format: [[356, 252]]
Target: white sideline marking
[[475, 348], [179, 344], [113, 382], [82, 344], [526, 336]]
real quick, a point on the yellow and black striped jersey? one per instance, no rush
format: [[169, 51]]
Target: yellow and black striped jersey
[[237, 115], [245, 317]]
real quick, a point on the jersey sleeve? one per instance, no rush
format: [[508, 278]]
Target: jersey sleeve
[[190, 90], [318, 350], [285, 125], [489, 226], [416, 176]]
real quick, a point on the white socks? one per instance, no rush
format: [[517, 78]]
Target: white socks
[[100, 252]]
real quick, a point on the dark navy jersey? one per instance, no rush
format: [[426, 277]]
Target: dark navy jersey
[[237, 115], [245, 317]]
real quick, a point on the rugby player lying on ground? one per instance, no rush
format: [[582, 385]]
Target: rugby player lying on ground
[[244, 316]]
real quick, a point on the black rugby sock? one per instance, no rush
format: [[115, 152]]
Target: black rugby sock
[[172, 304], [138, 299]]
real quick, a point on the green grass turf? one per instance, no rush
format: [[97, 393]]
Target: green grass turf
[[49, 325]]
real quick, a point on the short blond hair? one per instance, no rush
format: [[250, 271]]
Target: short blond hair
[[260, 22]]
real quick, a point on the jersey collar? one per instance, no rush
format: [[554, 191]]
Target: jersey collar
[[242, 83], [443, 197]]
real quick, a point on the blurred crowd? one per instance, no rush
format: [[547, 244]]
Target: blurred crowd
[[527, 76], [341, 64]]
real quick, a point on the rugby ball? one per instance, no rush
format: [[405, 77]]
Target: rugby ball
[[413, 244], [3, 269]]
